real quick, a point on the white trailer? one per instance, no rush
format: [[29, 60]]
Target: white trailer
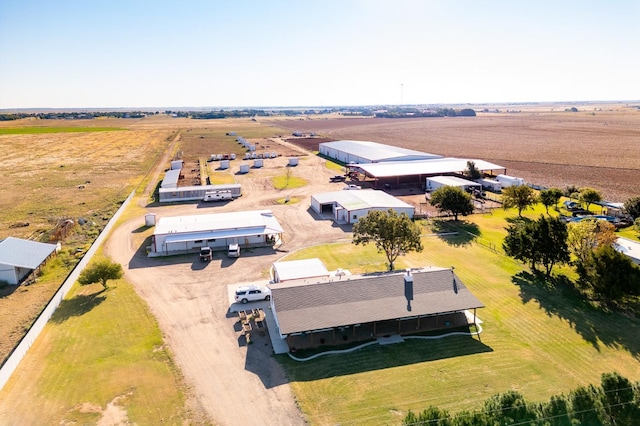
[[506, 180], [218, 195], [490, 184]]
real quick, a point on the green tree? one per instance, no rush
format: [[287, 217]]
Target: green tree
[[571, 191], [611, 275], [586, 406], [392, 233], [550, 197], [543, 241], [587, 235], [589, 196], [632, 207], [452, 199], [618, 399], [100, 272], [521, 197], [472, 171]]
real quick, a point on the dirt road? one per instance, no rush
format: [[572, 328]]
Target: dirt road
[[230, 381]]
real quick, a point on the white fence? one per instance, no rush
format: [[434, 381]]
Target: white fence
[[21, 350]]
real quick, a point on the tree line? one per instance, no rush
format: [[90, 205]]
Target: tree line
[[616, 401]]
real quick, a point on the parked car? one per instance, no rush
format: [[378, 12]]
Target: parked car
[[252, 293], [338, 178], [233, 250], [352, 187], [205, 254]]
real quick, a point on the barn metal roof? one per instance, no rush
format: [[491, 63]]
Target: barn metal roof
[[297, 269], [170, 178], [424, 167], [374, 151], [361, 199], [302, 307], [255, 221], [21, 253]]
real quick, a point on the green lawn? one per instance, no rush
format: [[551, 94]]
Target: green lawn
[[539, 340], [100, 347], [42, 130]]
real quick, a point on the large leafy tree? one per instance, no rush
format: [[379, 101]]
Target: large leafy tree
[[632, 207], [472, 171], [610, 274], [550, 197], [453, 200], [521, 197], [587, 235], [100, 272], [543, 241], [392, 233], [589, 196]]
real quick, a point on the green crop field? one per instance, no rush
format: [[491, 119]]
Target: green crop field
[[537, 339]]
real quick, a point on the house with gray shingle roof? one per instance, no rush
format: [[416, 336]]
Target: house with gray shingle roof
[[336, 310], [19, 258]]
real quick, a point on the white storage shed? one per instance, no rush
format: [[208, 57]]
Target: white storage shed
[[19, 258], [349, 206]]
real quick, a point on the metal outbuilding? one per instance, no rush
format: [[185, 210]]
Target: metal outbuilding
[[299, 269], [360, 152], [349, 206], [436, 182], [19, 258], [187, 234]]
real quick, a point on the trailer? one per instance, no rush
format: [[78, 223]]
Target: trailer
[[490, 184], [506, 180], [219, 195]]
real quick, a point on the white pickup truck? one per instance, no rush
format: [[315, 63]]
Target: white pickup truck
[[351, 187]]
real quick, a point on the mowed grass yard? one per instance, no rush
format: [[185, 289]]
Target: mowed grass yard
[[102, 354], [537, 339]]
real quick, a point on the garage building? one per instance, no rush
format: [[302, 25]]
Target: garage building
[[187, 234], [349, 206]]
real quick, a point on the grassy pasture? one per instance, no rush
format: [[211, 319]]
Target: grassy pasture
[[82, 362], [538, 340], [41, 130]]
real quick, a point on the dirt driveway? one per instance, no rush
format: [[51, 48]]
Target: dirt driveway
[[230, 381]]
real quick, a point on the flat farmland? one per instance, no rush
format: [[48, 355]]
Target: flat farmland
[[594, 147]]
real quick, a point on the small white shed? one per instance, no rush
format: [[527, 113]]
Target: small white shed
[[293, 161]]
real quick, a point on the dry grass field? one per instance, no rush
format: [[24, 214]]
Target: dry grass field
[[599, 146]]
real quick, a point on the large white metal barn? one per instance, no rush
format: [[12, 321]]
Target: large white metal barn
[[360, 152], [349, 206], [187, 234]]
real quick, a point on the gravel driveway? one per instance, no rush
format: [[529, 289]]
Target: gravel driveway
[[230, 381]]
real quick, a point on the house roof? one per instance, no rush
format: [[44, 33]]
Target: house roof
[[21, 253], [297, 269], [254, 221], [361, 199], [434, 166], [628, 247], [301, 306], [374, 151]]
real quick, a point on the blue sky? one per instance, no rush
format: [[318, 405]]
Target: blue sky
[[240, 53]]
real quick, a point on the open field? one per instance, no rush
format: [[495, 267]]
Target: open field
[[595, 147]]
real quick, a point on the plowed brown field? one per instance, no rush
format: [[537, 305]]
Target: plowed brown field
[[595, 148]]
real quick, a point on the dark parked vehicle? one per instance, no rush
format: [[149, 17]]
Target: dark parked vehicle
[[205, 254], [338, 178]]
